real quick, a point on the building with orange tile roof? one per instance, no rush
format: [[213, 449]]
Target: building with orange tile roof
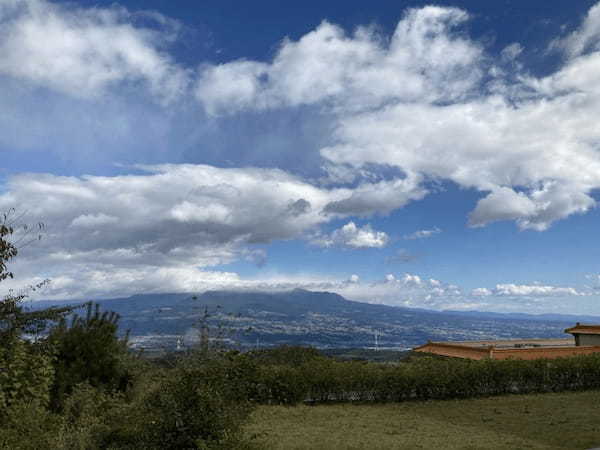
[[585, 334], [585, 341]]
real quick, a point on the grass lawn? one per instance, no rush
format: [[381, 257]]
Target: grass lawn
[[544, 421]]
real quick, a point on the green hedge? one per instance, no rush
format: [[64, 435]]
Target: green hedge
[[323, 380]]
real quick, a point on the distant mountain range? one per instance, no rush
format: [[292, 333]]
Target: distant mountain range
[[320, 319]]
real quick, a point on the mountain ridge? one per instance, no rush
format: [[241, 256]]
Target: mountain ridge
[[318, 318]]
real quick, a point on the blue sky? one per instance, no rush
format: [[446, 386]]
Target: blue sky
[[440, 156]]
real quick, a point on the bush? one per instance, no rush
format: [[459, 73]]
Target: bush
[[196, 405], [88, 351], [323, 380], [26, 375], [29, 425], [282, 385]]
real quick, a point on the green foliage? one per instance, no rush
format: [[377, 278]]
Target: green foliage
[[88, 351], [26, 375], [195, 405], [325, 380], [282, 385], [29, 425], [90, 416], [289, 355], [203, 405], [7, 249]]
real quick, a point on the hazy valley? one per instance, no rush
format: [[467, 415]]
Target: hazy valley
[[319, 319]]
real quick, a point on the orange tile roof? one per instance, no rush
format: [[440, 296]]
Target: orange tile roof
[[584, 329], [472, 350], [515, 348]]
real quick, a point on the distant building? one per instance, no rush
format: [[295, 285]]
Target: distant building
[[585, 335], [585, 341]]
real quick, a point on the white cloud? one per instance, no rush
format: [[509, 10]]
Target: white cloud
[[511, 52], [93, 220], [535, 290], [502, 204], [536, 210], [409, 290], [171, 218], [92, 282], [421, 61], [171, 207], [416, 101], [81, 52], [481, 292], [584, 39], [423, 234], [352, 236], [529, 144], [412, 290], [382, 197], [234, 85]]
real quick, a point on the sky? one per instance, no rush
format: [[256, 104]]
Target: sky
[[440, 156]]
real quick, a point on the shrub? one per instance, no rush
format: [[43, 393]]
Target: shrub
[[201, 405], [26, 375], [28, 425], [88, 351], [324, 380], [282, 385]]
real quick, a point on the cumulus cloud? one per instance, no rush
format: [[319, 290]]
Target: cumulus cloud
[[423, 234], [352, 236], [536, 210], [409, 290], [412, 290], [427, 100], [532, 297], [82, 52], [381, 197], [326, 65], [481, 292], [528, 144], [535, 290], [171, 217], [171, 208]]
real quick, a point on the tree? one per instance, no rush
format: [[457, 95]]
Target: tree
[[14, 318], [88, 351], [26, 371]]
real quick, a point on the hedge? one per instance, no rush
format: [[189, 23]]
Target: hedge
[[326, 380]]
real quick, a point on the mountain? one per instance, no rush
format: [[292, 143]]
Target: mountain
[[321, 319]]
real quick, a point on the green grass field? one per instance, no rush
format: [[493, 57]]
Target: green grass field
[[544, 421]]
